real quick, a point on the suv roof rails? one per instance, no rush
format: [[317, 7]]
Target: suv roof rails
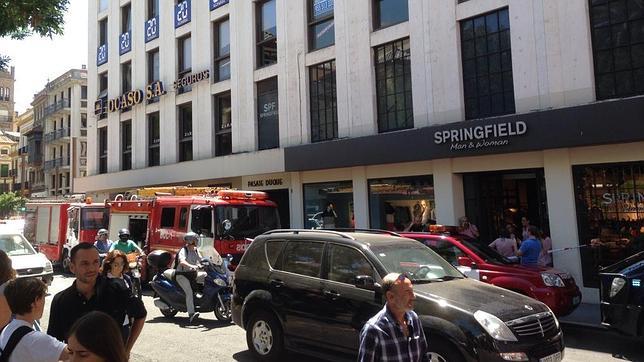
[[371, 231], [298, 231]]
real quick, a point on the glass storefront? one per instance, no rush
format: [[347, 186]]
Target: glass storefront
[[328, 205], [610, 214], [402, 204]]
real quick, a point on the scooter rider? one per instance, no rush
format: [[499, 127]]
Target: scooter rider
[[102, 243], [186, 272], [124, 243]]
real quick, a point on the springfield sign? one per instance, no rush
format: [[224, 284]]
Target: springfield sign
[[477, 137]]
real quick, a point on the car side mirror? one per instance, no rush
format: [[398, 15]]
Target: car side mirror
[[36, 248], [364, 282], [466, 261]]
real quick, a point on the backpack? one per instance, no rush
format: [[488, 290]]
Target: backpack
[[15, 338], [176, 258]]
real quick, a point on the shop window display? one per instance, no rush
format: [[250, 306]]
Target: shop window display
[[610, 214], [328, 205], [402, 204]]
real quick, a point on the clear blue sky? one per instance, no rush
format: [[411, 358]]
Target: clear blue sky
[[38, 59]]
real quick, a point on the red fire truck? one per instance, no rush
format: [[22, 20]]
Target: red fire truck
[[226, 220], [55, 226]]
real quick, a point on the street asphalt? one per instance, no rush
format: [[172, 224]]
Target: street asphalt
[[208, 339]]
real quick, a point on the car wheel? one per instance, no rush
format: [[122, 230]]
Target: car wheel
[[440, 350], [264, 337]]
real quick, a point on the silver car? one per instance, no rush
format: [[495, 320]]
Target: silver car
[[24, 259]]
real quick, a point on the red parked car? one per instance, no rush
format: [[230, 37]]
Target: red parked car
[[555, 288]]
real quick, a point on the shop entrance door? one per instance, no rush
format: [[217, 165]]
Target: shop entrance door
[[495, 199]]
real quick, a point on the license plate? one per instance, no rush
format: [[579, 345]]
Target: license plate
[[576, 300], [552, 358]]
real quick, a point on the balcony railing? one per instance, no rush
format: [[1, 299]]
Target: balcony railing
[[52, 108], [58, 162], [4, 118], [54, 135], [13, 173]]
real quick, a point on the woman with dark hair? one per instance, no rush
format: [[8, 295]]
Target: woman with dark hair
[[95, 337], [504, 244], [6, 274], [114, 268]]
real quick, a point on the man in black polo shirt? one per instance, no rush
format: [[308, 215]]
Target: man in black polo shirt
[[92, 292]]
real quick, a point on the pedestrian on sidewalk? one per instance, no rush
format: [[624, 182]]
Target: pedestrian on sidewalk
[[92, 292], [395, 333], [504, 244], [18, 341], [467, 229], [530, 248], [114, 268], [6, 275], [96, 337]]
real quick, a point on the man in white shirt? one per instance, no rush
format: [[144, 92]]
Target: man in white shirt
[[187, 266], [26, 298]]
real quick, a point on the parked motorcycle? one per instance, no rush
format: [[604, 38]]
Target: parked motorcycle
[[213, 293]]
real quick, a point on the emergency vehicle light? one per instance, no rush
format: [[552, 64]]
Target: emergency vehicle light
[[242, 195]]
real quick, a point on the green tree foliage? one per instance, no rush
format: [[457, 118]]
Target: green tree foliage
[[10, 202], [22, 18]]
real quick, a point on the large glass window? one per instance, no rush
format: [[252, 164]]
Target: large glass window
[[324, 109], [153, 70], [487, 65], [222, 50], [402, 204], [328, 205], [126, 18], [393, 86], [321, 24], [266, 33], [102, 150], [389, 12], [185, 60], [102, 32], [102, 93], [154, 140], [223, 125], [185, 132], [126, 77], [4, 170], [126, 145], [267, 114], [618, 47], [153, 8], [610, 214]]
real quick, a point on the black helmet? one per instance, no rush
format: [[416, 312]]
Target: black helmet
[[191, 237], [124, 233]]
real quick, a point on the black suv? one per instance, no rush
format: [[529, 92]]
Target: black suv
[[311, 291]]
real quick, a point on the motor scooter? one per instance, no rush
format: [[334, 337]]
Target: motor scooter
[[134, 264], [212, 292]]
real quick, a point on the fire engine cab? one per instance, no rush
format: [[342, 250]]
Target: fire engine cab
[[55, 226], [225, 219]]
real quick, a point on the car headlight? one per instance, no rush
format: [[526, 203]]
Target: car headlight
[[220, 282], [552, 280], [616, 286], [49, 268], [494, 326]]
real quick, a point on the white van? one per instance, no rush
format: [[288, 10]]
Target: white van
[[24, 259]]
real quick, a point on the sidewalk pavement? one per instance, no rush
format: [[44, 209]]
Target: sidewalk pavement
[[586, 315]]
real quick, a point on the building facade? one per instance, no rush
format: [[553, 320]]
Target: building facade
[[7, 81], [57, 141], [400, 113], [22, 169]]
